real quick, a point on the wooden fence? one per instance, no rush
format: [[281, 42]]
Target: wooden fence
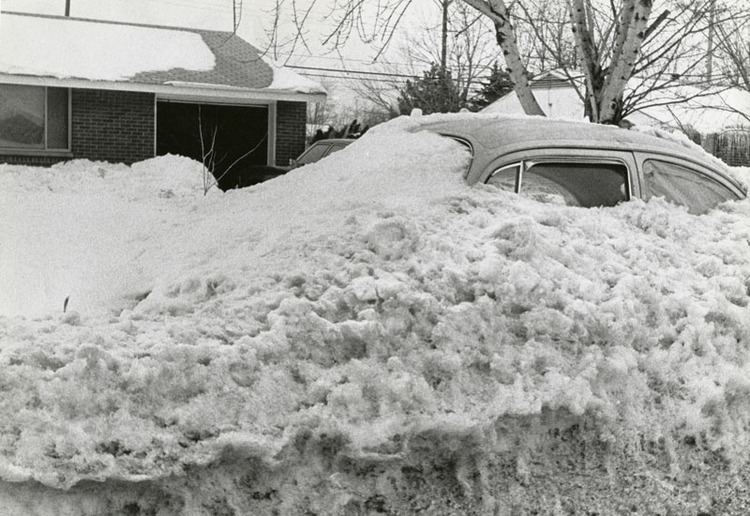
[[732, 146]]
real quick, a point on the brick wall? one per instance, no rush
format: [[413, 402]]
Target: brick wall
[[34, 161], [291, 118], [116, 126]]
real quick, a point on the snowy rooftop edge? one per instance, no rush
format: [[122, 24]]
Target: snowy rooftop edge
[[124, 53]]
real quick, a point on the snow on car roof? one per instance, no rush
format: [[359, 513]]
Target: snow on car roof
[[495, 130], [508, 133]]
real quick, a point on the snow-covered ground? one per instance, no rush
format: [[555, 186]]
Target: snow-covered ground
[[363, 335]]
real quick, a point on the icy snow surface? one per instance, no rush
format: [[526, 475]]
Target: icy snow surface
[[364, 333], [32, 45]]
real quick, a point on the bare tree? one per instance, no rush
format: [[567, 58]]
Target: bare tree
[[545, 39], [603, 44], [466, 47], [376, 22], [674, 61], [733, 45], [381, 94], [671, 55], [209, 154], [463, 46]]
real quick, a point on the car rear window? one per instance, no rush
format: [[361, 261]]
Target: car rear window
[[684, 186]]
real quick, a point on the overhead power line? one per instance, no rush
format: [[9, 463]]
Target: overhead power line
[[362, 72], [200, 6], [342, 59], [344, 78]]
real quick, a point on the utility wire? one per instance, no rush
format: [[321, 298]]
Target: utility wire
[[198, 5], [339, 77], [362, 72]]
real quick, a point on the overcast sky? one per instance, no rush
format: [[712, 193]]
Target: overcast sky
[[207, 14]]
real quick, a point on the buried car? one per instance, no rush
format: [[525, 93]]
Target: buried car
[[588, 165], [367, 335]]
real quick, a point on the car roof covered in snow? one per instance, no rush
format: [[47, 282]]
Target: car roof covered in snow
[[501, 134], [516, 133]]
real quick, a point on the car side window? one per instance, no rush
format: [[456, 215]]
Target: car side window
[[576, 184], [684, 186], [314, 153], [505, 178]]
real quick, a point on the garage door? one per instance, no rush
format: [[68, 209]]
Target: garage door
[[238, 136]]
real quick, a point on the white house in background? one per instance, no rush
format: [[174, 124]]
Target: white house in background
[[123, 92], [706, 112], [554, 94]]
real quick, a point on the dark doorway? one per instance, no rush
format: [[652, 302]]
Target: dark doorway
[[238, 135]]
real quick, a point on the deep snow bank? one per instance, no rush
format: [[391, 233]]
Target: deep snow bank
[[370, 335]]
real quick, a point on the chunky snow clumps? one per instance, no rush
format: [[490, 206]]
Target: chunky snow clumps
[[372, 304]]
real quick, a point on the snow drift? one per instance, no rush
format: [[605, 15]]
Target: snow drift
[[365, 335]]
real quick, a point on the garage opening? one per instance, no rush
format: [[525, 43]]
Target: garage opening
[[234, 138]]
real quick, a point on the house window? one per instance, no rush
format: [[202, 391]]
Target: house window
[[34, 118]]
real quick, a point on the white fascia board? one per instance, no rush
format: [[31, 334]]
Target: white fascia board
[[175, 90]]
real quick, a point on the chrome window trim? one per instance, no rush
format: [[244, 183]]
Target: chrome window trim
[[519, 174], [464, 141], [542, 155]]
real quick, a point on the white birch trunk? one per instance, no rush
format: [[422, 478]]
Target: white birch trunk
[[633, 24], [497, 11], [589, 55]]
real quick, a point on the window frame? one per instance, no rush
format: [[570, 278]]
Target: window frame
[[466, 143], [568, 155], [519, 174], [44, 151]]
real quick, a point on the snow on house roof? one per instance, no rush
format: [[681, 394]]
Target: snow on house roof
[[62, 48], [707, 111]]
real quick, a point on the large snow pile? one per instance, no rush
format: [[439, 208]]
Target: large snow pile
[[365, 335]]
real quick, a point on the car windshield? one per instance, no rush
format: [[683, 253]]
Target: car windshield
[[314, 153]]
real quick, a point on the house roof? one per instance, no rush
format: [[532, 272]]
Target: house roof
[[80, 52], [550, 79], [707, 110]]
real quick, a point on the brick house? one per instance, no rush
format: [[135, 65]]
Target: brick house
[[121, 92]]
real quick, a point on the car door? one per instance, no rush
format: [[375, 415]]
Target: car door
[[683, 182], [575, 177]]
